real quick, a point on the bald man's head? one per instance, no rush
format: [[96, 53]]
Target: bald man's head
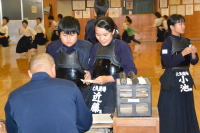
[[42, 63]]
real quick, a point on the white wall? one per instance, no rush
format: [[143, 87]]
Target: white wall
[[64, 8], [14, 25]]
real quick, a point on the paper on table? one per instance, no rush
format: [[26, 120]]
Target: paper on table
[[101, 118], [142, 80], [87, 80]]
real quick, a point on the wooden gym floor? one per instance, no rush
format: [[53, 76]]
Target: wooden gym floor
[[14, 67]]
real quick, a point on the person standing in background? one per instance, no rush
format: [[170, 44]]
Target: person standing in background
[[165, 17], [24, 44], [158, 23], [176, 102], [4, 32], [164, 24], [53, 26], [125, 34], [60, 16], [40, 38]]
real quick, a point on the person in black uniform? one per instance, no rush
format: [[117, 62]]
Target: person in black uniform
[[46, 104], [4, 32], [108, 58], [70, 53], [176, 103]]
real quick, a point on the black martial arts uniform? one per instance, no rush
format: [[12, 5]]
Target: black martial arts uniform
[[47, 105], [176, 103], [71, 61], [105, 61]]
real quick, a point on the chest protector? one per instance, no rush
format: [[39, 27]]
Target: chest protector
[[177, 47], [106, 62], [68, 67]]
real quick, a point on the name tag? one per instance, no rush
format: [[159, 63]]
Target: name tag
[[133, 100], [164, 51]]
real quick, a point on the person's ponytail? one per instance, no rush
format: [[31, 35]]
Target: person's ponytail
[[171, 21], [116, 35]]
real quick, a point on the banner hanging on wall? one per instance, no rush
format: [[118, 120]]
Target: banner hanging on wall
[[34, 9], [86, 14], [165, 11], [129, 4], [189, 10], [181, 9], [113, 13], [78, 14]]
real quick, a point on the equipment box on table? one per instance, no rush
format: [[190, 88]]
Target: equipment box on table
[[134, 100]]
